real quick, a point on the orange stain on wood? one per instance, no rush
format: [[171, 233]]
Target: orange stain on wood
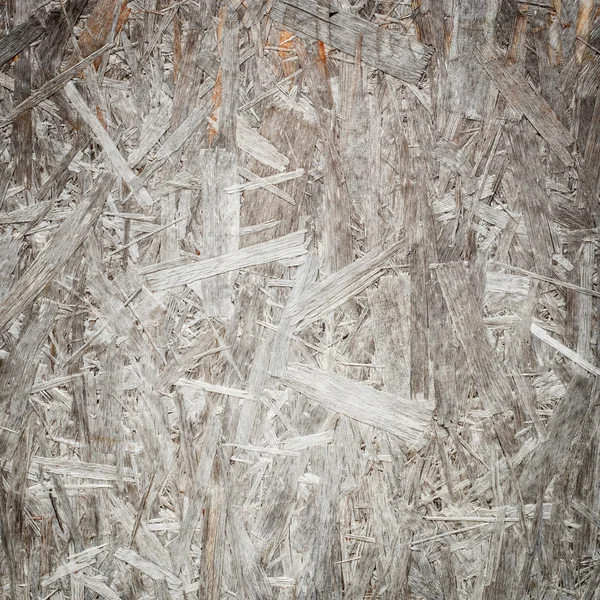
[[584, 28], [220, 28], [101, 118], [416, 9], [217, 94], [177, 52], [321, 50], [99, 24], [322, 58], [216, 99], [286, 43], [519, 35]]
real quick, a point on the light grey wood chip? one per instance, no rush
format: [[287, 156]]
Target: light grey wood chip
[[470, 330], [165, 277], [19, 38], [393, 53], [110, 148], [358, 401], [49, 262], [522, 97]]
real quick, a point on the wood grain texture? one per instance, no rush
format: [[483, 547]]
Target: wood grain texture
[[299, 300], [400, 56], [19, 38]]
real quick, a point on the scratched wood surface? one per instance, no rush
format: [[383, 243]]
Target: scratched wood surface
[[299, 299]]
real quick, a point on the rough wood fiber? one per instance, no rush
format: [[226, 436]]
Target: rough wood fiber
[[399, 55], [299, 300], [19, 38]]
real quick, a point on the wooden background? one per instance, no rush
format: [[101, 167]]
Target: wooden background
[[298, 299]]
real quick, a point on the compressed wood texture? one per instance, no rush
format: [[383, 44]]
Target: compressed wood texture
[[299, 300], [399, 55], [19, 38]]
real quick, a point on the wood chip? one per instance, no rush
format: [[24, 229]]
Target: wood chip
[[162, 277], [522, 97], [389, 51], [360, 402], [299, 299], [19, 38]]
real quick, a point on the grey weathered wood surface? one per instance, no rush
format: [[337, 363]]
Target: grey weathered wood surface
[[19, 38], [299, 300], [399, 55]]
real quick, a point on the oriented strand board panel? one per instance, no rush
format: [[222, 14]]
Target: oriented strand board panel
[[299, 300]]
